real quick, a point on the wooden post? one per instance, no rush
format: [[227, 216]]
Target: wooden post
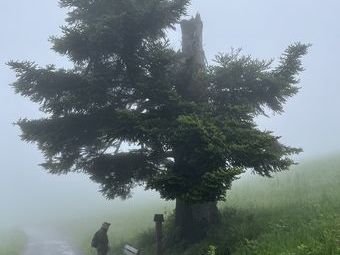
[[159, 219]]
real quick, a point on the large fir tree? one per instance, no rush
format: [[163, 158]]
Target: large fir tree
[[191, 127]]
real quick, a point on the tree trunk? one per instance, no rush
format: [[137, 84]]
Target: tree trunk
[[192, 40], [194, 220]]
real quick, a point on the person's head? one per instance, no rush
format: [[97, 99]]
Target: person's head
[[106, 226]]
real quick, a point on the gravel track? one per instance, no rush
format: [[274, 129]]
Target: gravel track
[[41, 242]]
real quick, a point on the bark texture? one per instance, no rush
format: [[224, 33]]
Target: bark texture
[[194, 220]]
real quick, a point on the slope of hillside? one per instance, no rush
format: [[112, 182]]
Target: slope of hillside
[[294, 213]]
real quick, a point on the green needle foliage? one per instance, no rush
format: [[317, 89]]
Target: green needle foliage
[[192, 129]]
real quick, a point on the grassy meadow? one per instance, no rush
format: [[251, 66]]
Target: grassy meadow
[[297, 212], [127, 223], [294, 213], [12, 242]]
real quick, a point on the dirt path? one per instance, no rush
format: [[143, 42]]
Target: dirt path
[[48, 243]]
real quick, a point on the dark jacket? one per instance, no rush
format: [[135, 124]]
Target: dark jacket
[[100, 241]]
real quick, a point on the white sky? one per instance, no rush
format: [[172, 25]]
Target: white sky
[[262, 28]]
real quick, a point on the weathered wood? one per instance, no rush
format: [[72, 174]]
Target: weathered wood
[[192, 40], [159, 219], [193, 220]]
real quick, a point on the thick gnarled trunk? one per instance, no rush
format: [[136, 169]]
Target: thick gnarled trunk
[[194, 220]]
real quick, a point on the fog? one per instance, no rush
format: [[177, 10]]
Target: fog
[[261, 28]]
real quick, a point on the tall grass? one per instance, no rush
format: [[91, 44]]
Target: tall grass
[[299, 211], [294, 213], [12, 242]]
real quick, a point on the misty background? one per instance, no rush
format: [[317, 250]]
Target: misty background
[[261, 28]]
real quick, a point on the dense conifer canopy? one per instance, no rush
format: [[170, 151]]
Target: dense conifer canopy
[[189, 140]]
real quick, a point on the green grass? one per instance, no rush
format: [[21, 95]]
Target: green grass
[[297, 212], [12, 242], [294, 213], [126, 223]]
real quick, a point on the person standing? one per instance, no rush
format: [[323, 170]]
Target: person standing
[[100, 240]]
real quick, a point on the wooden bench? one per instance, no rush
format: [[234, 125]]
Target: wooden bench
[[129, 250]]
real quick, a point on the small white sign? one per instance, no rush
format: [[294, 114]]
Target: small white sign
[[129, 250]]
